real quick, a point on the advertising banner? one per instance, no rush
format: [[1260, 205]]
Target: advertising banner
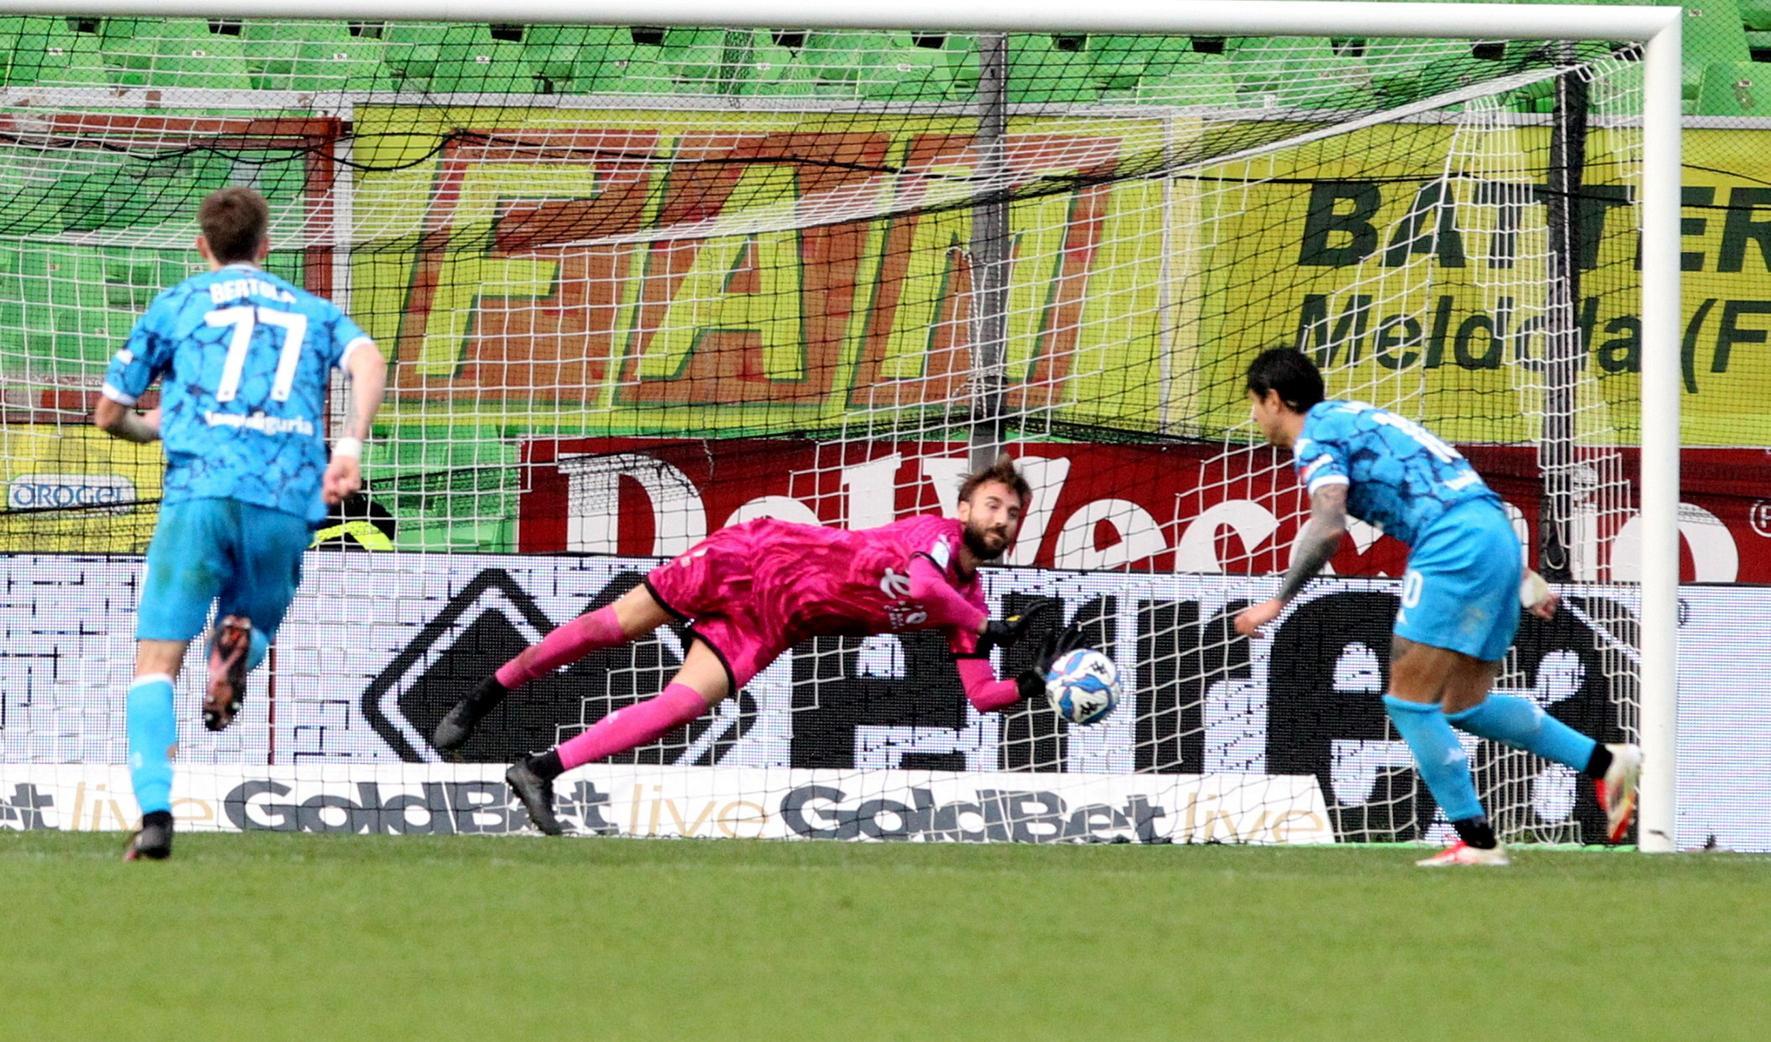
[[603, 273], [600, 271], [76, 488], [741, 281], [747, 274], [695, 802], [1158, 508], [1346, 251], [378, 646]]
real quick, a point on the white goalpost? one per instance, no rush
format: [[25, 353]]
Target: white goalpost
[[643, 270]]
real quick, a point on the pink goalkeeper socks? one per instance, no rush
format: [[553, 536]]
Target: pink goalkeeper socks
[[568, 643], [635, 725]]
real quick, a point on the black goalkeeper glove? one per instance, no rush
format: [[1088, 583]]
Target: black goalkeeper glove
[[1031, 681], [1006, 632]]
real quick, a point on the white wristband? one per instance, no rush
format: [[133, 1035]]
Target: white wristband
[[352, 447]]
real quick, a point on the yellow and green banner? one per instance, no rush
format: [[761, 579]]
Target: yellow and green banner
[[623, 272]]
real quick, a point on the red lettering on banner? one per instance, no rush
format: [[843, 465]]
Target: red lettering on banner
[[1147, 508], [562, 339], [722, 366]]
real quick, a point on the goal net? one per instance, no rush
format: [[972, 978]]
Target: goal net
[[639, 283]]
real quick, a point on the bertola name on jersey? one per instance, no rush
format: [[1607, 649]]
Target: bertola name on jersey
[[234, 289]]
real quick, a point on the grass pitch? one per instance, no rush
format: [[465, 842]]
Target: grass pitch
[[269, 936]]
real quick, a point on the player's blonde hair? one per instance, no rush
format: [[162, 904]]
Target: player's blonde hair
[[233, 222]]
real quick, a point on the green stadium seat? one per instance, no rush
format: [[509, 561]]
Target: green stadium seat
[[1399, 69], [1454, 71], [1735, 89], [689, 62], [126, 282], [80, 277], [1270, 65], [87, 189], [1303, 72], [611, 68], [923, 74], [1713, 35], [120, 30], [313, 56], [1180, 70], [623, 60], [26, 208], [1188, 78], [471, 61], [552, 50], [891, 66], [695, 61], [266, 29], [12, 307], [123, 42], [411, 49], [556, 52], [1051, 69], [494, 68], [961, 53], [1121, 61], [35, 275], [599, 63], [56, 298], [770, 69], [42, 50], [132, 277], [179, 52], [148, 272], [774, 78], [837, 57], [169, 188], [288, 265], [24, 291], [90, 189]]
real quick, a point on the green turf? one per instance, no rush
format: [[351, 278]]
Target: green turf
[[272, 936]]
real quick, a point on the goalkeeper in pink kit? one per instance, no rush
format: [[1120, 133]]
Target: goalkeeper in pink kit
[[751, 591]]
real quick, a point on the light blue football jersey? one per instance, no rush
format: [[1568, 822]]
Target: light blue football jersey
[[244, 359], [1401, 477]]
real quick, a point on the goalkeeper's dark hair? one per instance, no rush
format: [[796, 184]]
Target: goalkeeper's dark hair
[[1291, 373], [1003, 470], [234, 222]]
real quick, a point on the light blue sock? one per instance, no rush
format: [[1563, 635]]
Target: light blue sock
[[1442, 762], [255, 651], [152, 732], [1522, 724]]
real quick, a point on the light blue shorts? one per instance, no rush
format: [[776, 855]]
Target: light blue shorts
[[1461, 590], [247, 557]]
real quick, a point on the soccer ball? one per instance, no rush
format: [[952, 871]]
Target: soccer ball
[[1083, 686]]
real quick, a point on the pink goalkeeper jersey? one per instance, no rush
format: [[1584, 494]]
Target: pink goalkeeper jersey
[[793, 581]]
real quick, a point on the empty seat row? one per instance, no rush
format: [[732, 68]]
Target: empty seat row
[[479, 58]]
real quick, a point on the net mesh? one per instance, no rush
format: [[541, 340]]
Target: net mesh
[[637, 284]]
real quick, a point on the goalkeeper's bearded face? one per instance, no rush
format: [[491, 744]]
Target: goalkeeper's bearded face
[[992, 516]]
